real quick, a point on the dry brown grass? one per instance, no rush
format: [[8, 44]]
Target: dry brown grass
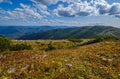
[[95, 61]]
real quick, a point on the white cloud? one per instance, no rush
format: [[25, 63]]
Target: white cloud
[[38, 12], [102, 6], [67, 12], [6, 1], [115, 9], [76, 8], [34, 11], [117, 15], [46, 2], [1, 0], [25, 12], [43, 9], [87, 8], [3, 14]]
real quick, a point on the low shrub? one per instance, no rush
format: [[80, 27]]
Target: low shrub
[[111, 38], [18, 47], [50, 47], [75, 40], [101, 39], [7, 44], [4, 43]]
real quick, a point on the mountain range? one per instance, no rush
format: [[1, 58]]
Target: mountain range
[[14, 32], [76, 32]]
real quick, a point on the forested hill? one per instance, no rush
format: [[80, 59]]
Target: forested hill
[[14, 32], [78, 32]]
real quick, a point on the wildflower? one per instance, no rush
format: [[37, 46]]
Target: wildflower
[[5, 77], [101, 67], [44, 56], [11, 70], [2, 57], [119, 74], [65, 60], [26, 67], [69, 65], [104, 59], [110, 59], [60, 64], [53, 61]]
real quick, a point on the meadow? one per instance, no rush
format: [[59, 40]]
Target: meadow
[[62, 61]]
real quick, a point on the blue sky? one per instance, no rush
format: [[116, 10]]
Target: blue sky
[[59, 12]]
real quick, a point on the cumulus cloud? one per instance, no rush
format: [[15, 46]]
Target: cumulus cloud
[[101, 5], [39, 10], [46, 2], [3, 14], [76, 8], [6, 1], [67, 12], [117, 15], [88, 8], [34, 11], [29, 11], [43, 9], [1, 0], [25, 12], [115, 9]]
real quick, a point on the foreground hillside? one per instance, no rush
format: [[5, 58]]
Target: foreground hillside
[[94, 61], [78, 32]]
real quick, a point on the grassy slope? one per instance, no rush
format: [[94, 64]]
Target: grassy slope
[[95, 61]]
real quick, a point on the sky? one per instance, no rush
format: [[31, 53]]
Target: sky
[[59, 12]]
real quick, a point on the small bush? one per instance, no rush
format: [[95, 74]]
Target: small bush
[[75, 40], [111, 38], [101, 39], [50, 47], [4, 43], [20, 47]]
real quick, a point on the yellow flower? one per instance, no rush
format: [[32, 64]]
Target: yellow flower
[[5, 77], [53, 61], [60, 64]]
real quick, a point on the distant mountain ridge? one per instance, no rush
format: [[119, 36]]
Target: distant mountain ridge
[[78, 32], [14, 32]]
